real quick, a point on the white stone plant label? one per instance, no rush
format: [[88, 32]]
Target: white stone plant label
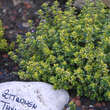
[[31, 96]]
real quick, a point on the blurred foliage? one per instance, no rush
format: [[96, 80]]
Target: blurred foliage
[[4, 46], [3, 42]]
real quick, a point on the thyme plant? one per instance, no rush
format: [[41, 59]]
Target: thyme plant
[[69, 50]]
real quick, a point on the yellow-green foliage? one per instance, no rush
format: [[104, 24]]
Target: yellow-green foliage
[[3, 42], [69, 51], [4, 46], [72, 106]]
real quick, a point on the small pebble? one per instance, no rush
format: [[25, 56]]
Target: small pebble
[[78, 103], [74, 100], [26, 25], [78, 108], [84, 107], [98, 104], [91, 107], [78, 97]]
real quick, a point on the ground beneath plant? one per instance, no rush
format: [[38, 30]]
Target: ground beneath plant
[[15, 22]]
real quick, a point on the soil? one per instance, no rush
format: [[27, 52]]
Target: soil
[[13, 18]]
